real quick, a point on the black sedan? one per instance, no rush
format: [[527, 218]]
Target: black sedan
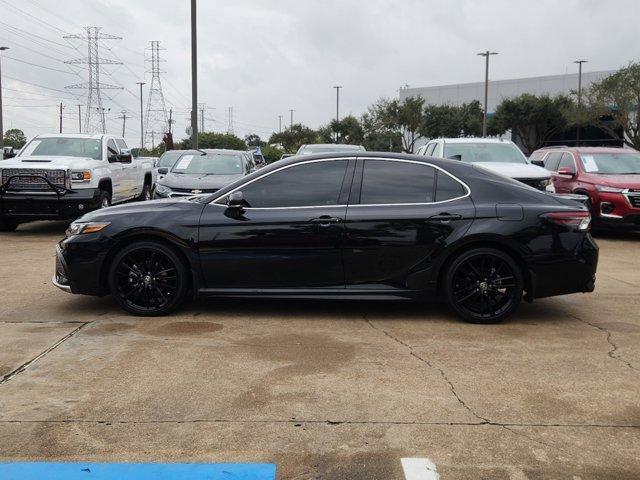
[[369, 225]]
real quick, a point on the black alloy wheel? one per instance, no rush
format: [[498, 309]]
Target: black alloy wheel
[[484, 285], [148, 278]]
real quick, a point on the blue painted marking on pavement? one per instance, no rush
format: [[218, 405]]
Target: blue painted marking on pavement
[[137, 471]]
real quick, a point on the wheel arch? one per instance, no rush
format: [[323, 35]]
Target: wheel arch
[[167, 239], [489, 241], [106, 185]]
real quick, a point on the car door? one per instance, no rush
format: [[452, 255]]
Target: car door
[[288, 236], [133, 171], [401, 213], [119, 185], [564, 183]]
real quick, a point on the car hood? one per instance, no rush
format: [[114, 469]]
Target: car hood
[[46, 162], [203, 182], [131, 209], [616, 181], [517, 171]]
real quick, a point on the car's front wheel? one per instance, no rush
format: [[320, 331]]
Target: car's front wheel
[[8, 224], [483, 285], [148, 278]]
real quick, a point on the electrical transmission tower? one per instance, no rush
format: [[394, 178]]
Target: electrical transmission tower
[[155, 118], [230, 125], [94, 121]]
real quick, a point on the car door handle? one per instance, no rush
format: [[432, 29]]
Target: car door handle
[[445, 217], [326, 220]]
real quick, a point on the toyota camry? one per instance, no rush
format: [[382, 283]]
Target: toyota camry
[[339, 225]]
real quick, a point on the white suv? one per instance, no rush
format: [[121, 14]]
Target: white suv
[[499, 156]]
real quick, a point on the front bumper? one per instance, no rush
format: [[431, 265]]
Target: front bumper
[[49, 206], [61, 275], [618, 210]]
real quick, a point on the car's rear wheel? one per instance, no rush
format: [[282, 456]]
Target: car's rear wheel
[[8, 224], [483, 285], [148, 278], [146, 193]]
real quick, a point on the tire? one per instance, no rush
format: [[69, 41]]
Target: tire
[[483, 285], [8, 224], [146, 193], [105, 199], [147, 278]]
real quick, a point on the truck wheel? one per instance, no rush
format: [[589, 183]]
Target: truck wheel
[[146, 193], [105, 199], [8, 224]]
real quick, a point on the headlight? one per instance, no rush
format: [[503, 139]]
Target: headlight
[[80, 175], [604, 188], [162, 190], [80, 228]]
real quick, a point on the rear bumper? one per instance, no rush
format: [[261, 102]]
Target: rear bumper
[[49, 206], [570, 272]]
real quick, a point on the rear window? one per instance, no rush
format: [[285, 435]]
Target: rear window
[[485, 152], [448, 188]]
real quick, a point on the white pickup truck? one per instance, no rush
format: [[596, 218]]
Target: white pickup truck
[[63, 176]]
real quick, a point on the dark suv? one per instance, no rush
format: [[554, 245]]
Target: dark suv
[[610, 177]]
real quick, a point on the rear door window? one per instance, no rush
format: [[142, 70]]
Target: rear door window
[[552, 160], [395, 182]]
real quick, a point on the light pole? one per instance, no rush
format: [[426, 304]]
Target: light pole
[[337, 87], [141, 118], [486, 54], [194, 77], [579, 62], [1, 126], [279, 123], [291, 112]]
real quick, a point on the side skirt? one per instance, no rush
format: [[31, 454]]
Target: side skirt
[[319, 293]]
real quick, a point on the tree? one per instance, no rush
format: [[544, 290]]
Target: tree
[[271, 153], [14, 137], [452, 121], [533, 119], [616, 97], [220, 140], [404, 119], [377, 137], [254, 140], [293, 137]]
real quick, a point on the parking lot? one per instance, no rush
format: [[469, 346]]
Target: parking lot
[[323, 389]]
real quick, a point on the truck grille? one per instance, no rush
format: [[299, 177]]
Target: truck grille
[[634, 200], [56, 177]]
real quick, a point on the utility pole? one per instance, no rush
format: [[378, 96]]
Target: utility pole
[[291, 113], [79, 118], [124, 121], [153, 140], [202, 117], [60, 117], [279, 123], [102, 112], [2, 49], [141, 117], [194, 77], [230, 124], [337, 87], [170, 119], [579, 62], [486, 54]]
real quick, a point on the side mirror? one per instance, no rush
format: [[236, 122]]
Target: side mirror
[[163, 171], [236, 199], [124, 158], [566, 171], [455, 157], [538, 163]]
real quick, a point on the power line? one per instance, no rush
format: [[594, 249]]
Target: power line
[[35, 85], [37, 65]]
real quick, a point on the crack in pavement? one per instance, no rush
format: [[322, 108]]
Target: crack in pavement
[[28, 363], [329, 423], [482, 420], [614, 351]]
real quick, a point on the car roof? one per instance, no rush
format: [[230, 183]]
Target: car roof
[[97, 136], [214, 151], [344, 146], [590, 149], [473, 140]]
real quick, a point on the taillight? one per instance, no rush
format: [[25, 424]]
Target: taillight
[[581, 221]]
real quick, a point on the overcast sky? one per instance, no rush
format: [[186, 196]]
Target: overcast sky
[[266, 57]]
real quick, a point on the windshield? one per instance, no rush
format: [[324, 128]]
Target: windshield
[[485, 152], [309, 149], [212, 164], [168, 159], [62, 146], [611, 163]]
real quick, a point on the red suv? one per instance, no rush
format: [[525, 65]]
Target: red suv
[[610, 177]]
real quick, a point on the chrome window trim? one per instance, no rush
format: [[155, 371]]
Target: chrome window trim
[[466, 187]]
